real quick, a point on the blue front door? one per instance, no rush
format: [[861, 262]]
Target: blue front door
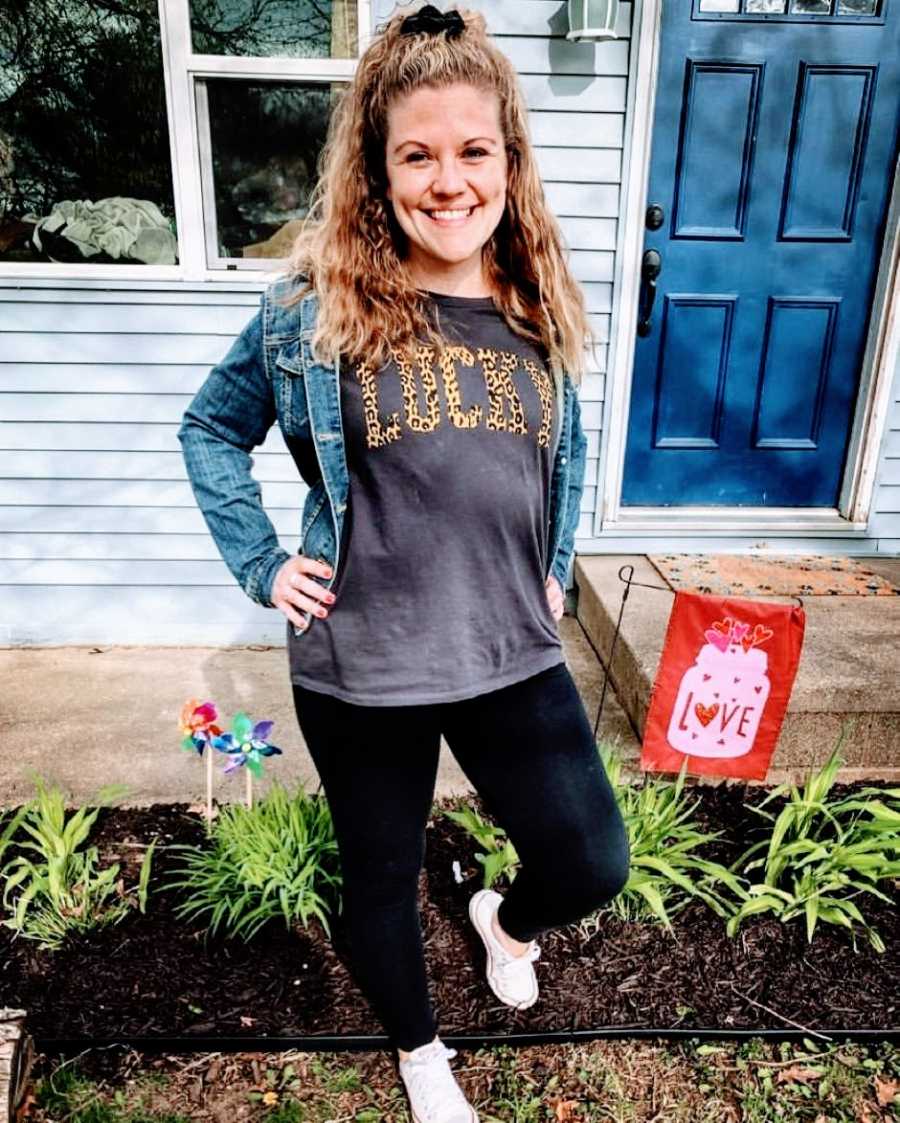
[[774, 142]]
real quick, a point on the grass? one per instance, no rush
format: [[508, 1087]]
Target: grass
[[66, 1093], [752, 1081]]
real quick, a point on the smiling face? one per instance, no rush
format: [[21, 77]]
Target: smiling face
[[447, 176]]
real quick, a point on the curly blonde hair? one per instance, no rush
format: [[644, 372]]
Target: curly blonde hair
[[350, 247]]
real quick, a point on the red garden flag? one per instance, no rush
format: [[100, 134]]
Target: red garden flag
[[722, 686]]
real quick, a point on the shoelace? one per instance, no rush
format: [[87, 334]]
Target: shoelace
[[437, 1087], [510, 965]]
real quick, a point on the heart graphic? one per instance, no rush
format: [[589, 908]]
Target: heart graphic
[[706, 678], [758, 635], [723, 626], [705, 714], [717, 639], [739, 631]]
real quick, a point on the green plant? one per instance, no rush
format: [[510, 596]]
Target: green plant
[[515, 1093], [68, 1093], [277, 858], [12, 825], [499, 858], [62, 889], [665, 872], [821, 854], [278, 1082]]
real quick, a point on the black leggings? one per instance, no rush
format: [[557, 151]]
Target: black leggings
[[528, 750]]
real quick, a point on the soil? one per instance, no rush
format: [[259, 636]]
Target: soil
[[155, 975]]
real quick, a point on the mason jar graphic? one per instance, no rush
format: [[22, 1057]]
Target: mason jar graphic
[[720, 702]]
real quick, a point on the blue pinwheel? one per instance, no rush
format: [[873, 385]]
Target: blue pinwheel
[[246, 744]]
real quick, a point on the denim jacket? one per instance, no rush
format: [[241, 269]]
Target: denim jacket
[[268, 375]]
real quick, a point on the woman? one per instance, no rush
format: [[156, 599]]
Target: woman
[[414, 358]]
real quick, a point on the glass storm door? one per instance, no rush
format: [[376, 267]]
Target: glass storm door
[[774, 141]]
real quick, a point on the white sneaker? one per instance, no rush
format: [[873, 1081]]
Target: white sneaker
[[434, 1095], [510, 977]]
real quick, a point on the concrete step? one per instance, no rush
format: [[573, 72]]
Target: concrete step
[[849, 667]]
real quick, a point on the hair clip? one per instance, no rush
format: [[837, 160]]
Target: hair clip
[[432, 21]]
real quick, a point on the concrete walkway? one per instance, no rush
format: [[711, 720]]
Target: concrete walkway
[[83, 717]]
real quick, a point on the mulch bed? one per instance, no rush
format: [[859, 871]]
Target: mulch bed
[[143, 976]]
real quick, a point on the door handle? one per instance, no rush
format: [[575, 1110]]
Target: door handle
[[651, 267]]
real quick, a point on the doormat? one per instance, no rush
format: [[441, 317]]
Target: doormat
[[810, 575]]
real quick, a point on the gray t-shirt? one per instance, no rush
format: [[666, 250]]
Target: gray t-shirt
[[440, 583]]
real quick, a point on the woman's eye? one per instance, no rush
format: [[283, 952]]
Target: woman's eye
[[412, 156], [477, 151]]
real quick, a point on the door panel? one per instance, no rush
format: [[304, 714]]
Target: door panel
[[774, 141], [825, 159], [705, 207]]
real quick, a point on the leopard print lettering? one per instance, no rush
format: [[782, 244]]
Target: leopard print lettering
[[462, 419], [497, 368], [500, 387], [408, 383], [378, 432], [544, 385]]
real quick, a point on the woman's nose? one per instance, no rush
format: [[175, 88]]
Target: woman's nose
[[448, 179]]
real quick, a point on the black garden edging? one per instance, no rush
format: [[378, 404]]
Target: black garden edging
[[358, 1043]]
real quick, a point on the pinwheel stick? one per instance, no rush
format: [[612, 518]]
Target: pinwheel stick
[[249, 775], [209, 778]]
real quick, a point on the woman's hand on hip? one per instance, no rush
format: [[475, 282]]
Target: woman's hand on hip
[[294, 588], [555, 597]]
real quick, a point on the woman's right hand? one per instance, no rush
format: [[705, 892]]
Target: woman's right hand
[[293, 588]]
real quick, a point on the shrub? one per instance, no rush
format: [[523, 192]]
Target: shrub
[[278, 858], [820, 855], [62, 889], [665, 870]]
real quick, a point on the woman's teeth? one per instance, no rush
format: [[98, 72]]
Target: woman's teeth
[[450, 216]]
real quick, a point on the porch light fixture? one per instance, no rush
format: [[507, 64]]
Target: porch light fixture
[[592, 19]]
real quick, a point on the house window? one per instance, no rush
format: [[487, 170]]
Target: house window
[[258, 152], [274, 28], [85, 165], [260, 80], [180, 135], [837, 10]]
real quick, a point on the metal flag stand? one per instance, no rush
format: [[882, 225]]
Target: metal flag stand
[[628, 582]]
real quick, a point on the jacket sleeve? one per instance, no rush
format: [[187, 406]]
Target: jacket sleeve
[[577, 457], [229, 415]]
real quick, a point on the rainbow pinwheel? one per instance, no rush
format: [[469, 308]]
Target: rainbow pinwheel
[[198, 725], [246, 744]]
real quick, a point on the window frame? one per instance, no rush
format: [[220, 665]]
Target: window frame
[[833, 17], [182, 69]]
